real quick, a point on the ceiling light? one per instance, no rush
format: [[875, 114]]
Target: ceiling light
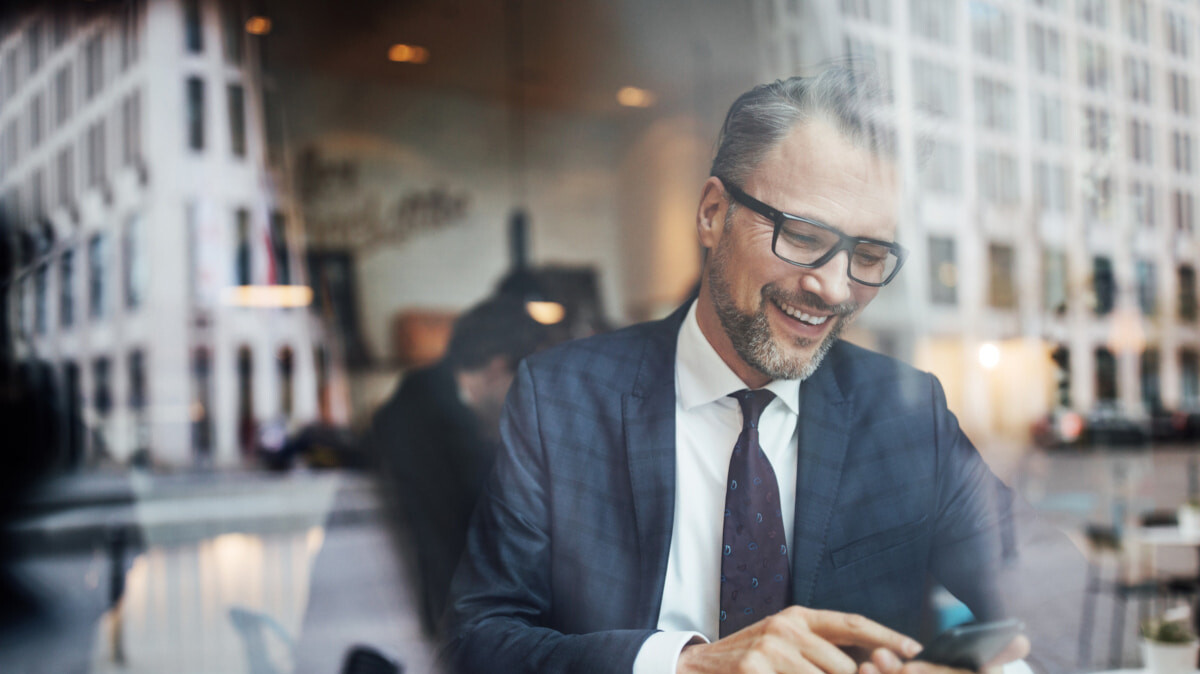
[[269, 296], [407, 53], [258, 25], [546, 313], [633, 97]]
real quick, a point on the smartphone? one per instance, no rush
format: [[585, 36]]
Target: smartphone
[[971, 646]]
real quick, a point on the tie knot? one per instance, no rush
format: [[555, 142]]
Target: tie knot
[[753, 403]]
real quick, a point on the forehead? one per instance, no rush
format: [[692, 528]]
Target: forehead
[[817, 173]]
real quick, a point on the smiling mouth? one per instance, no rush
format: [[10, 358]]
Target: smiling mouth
[[801, 316]]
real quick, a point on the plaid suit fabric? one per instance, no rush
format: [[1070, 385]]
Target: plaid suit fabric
[[566, 557]]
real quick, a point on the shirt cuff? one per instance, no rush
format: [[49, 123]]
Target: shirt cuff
[[1014, 667], [660, 653]]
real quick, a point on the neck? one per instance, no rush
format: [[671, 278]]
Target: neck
[[714, 332]]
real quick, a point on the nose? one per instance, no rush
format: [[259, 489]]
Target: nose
[[830, 281]]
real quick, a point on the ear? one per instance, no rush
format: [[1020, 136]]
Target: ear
[[710, 216]]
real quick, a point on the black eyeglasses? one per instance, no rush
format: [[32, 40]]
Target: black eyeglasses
[[810, 244]]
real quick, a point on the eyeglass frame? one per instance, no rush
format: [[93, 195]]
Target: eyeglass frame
[[845, 242]]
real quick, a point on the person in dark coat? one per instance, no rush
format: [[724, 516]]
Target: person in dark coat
[[436, 437]]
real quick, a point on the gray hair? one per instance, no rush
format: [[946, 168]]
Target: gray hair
[[847, 96]]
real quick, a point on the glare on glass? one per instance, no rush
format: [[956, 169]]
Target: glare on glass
[[810, 244]]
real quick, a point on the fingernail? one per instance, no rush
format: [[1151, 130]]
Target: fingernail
[[910, 648]]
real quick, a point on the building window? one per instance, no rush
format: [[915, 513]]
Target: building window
[[96, 163], [241, 256], [137, 380], [1050, 187], [1181, 151], [934, 20], [237, 119], [131, 128], [1048, 118], [33, 42], [996, 173], [97, 269], [37, 120], [1141, 201], [66, 281], [1093, 65], [1182, 205], [943, 271], [202, 433], [93, 64], [1094, 12], [130, 12], [1189, 370], [1104, 286], [1187, 293], [1001, 291], [1176, 29], [280, 260], [195, 113], [40, 310], [1147, 295], [1181, 94], [1054, 281], [62, 95], [1045, 50], [942, 169], [37, 194], [991, 31], [935, 89], [66, 177], [134, 268], [1137, 79], [1150, 380], [232, 30], [1141, 142], [102, 385], [1137, 21], [286, 363], [193, 28], [880, 58], [10, 74], [994, 104], [245, 400], [1097, 129], [874, 11], [61, 28], [1106, 375]]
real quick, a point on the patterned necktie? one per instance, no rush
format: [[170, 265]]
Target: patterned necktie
[[755, 577]]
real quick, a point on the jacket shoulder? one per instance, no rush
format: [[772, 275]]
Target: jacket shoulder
[[871, 377], [609, 360]]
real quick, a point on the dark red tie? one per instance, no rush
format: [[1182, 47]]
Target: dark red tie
[[755, 578]]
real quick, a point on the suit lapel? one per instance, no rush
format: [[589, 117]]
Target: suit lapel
[[649, 421], [823, 441]]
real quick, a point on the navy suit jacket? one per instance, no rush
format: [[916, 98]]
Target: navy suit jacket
[[567, 552]]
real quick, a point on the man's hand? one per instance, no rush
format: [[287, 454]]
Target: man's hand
[[798, 639], [884, 662]]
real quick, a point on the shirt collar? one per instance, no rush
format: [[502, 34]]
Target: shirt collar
[[701, 377]]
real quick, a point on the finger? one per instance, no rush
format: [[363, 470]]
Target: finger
[[886, 661], [1015, 650], [868, 668], [848, 629], [826, 656]]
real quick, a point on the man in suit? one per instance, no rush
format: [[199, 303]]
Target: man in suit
[[435, 438], [612, 536]]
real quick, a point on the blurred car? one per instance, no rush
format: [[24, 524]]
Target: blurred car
[[1108, 425], [318, 445]]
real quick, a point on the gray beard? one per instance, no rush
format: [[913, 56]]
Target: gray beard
[[750, 333]]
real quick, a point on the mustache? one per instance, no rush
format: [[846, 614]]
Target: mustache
[[807, 300]]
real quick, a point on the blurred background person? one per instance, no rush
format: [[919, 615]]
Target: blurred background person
[[434, 439]]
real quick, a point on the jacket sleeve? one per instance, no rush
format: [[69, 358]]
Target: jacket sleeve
[[501, 599], [997, 556]]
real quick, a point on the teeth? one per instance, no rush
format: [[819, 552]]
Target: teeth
[[807, 318]]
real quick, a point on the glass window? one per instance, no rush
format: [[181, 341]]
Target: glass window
[[232, 30], [101, 379], [245, 399], [1050, 187], [1182, 210], [237, 120], [1097, 202], [202, 424], [131, 128], [37, 119], [1181, 151], [66, 281], [1002, 293], [281, 264], [935, 20], [193, 28], [129, 12], [1054, 281], [93, 65], [97, 270], [137, 380], [33, 44], [242, 272], [943, 271], [1048, 118], [287, 381], [1104, 286], [1187, 293], [1106, 375], [1151, 397], [40, 310], [1097, 129], [195, 113], [996, 174], [62, 95], [875, 11], [1093, 65], [1189, 369], [1176, 29], [942, 170], [879, 56], [935, 88], [991, 31], [1181, 93], [134, 268], [1141, 142], [1137, 22], [1147, 293], [1137, 78], [1045, 50], [1094, 12], [995, 104], [66, 177], [1141, 202], [96, 163]]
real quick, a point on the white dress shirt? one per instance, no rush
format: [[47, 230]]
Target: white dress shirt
[[707, 424]]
